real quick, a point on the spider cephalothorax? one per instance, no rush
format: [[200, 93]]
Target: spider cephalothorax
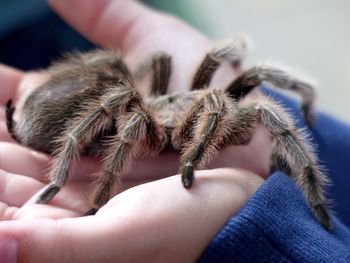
[[90, 105]]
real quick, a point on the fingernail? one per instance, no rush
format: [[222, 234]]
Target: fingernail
[[8, 250]]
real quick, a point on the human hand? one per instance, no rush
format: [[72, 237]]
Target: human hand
[[177, 224]]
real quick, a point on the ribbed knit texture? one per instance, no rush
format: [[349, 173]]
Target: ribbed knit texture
[[276, 225]]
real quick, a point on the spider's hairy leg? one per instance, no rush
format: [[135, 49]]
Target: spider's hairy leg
[[161, 66], [290, 146], [232, 50], [184, 132], [10, 123], [208, 127], [293, 153], [279, 78], [136, 129], [208, 132], [80, 132]]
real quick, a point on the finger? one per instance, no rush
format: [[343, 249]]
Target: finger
[[137, 31], [9, 79], [20, 160], [106, 22], [7, 212], [155, 222], [16, 189], [44, 211], [17, 159], [4, 135], [35, 211]]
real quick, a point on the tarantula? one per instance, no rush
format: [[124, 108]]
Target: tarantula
[[90, 105]]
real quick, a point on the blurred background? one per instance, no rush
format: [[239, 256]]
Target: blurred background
[[309, 35]]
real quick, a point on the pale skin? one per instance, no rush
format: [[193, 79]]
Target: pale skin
[[152, 220]]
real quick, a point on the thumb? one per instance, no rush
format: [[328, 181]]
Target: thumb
[[154, 222], [48, 240], [107, 22], [10, 79]]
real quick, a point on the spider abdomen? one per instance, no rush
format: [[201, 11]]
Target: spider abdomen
[[47, 110]]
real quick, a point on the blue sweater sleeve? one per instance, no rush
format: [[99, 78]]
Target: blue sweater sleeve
[[276, 225]]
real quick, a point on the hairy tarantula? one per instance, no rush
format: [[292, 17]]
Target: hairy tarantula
[[90, 105]]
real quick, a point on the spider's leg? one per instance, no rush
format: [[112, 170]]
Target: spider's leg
[[10, 123], [208, 132], [185, 131], [94, 117], [291, 151], [232, 51], [279, 78], [160, 64], [135, 129]]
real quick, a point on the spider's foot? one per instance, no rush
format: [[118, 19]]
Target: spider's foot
[[187, 176], [44, 195], [91, 212], [323, 216], [9, 109], [308, 114], [10, 123], [47, 194]]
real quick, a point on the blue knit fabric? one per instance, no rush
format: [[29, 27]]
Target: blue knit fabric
[[276, 225]]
